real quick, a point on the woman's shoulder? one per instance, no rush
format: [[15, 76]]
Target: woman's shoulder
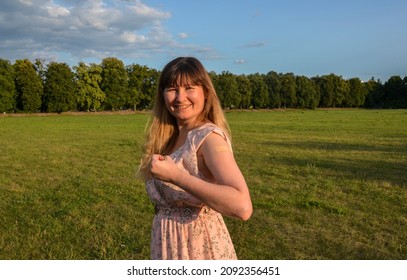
[[207, 126], [199, 134], [204, 130]]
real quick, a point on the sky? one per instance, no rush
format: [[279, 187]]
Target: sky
[[349, 38]]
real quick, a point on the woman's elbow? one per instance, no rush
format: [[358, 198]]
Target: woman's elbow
[[245, 212]]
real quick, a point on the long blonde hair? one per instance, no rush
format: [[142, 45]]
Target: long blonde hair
[[162, 128]]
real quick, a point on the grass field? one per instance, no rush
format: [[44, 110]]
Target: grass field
[[325, 184]]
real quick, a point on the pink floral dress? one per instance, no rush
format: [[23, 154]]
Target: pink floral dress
[[183, 227]]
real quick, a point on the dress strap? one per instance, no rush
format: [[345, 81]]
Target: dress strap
[[199, 136]]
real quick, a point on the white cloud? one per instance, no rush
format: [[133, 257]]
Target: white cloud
[[26, 2], [56, 11], [131, 37], [86, 29], [142, 9], [183, 35], [240, 61], [254, 45]]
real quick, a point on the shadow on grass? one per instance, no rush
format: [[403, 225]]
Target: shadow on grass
[[341, 146], [377, 169]]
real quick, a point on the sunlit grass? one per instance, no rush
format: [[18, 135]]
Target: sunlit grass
[[325, 184]]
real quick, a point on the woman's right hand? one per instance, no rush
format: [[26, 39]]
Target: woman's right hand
[[163, 168]]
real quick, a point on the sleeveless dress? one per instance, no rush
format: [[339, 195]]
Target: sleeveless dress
[[183, 227]]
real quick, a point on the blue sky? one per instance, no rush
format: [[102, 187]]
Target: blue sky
[[357, 38]]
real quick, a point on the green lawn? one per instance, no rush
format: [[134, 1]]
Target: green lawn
[[325, 184]]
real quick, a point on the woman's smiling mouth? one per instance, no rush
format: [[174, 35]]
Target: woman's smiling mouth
[[182, 107]]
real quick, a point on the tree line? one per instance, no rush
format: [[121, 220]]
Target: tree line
[[56, 87]]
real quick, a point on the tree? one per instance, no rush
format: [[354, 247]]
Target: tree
[[326, 89], [357, 93], [374, 96], [40, 68], [259, 91], [245, 91], [288, 90], [89, 95], [29, 86], [215, 82], [142, 81], [307, 93], [149, 88], [395, 92], [228, 91], [341, 90], [7, 88], [59, 88], [274, 87], [403, 94], [114, 83]]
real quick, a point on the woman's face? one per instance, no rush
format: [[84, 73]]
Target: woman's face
[[185, 103]]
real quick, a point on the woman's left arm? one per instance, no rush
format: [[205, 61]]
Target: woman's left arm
[[229, 193]]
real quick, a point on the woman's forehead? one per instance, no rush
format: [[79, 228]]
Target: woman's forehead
[[183, 80]]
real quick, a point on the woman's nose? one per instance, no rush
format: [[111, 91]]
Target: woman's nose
[[181, 94]]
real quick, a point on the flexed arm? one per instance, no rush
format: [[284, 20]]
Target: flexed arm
[[228, 194]]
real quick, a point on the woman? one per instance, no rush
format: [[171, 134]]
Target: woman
[[189, 168]]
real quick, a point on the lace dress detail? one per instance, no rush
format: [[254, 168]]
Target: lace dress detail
[[183, 227]]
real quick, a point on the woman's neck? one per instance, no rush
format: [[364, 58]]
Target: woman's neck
[[185, 127]]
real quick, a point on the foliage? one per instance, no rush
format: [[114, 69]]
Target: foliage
[[7, 87], [113, 86], [341, 89], [150, 87], [59, 88], [228, 90], [28, 85], [326, 90], [114, 83], [259, 91], [245, 91], [89, 95], [395, 92], [356, 95], [142, 86], [375, 94], [307, 93], [41, 68], [274, 88], [288, 91]]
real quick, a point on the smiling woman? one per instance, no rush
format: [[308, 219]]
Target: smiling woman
[[189, 169], [185, 102]]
